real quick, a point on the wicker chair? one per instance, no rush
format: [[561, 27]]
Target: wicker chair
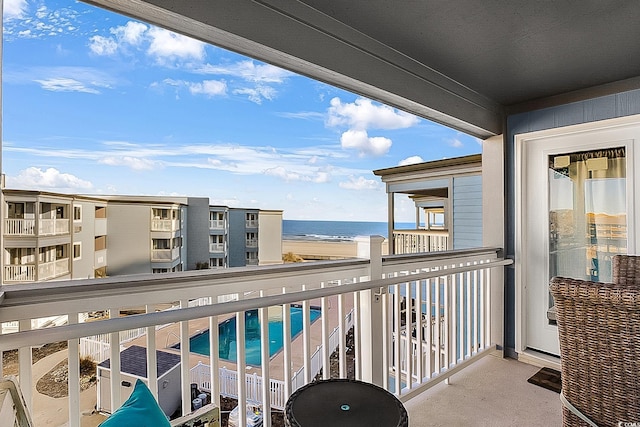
[[599, 333]]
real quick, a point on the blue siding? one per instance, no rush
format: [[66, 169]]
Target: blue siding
[[467, 212], [602, 108], [237, 240]]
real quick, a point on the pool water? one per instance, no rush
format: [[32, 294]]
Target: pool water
[[227, 335]]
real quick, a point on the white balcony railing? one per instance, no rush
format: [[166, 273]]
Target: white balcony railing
[[216, 224], [216, 248], [397, 301], [251, 223], [49, 270], [165, 224], [418, 241], [251, 261], [252, 243], [20, 273], [49, 227], [19, 227]]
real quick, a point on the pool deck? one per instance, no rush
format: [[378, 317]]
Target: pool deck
[[168, 336]]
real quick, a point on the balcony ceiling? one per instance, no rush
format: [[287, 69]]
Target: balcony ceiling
[[463, 63]]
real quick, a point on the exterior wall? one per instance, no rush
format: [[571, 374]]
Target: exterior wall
[[83, 232], [602, 108], [467, 212], [197, 232], [270, 237], [237, 244], [129, 239]]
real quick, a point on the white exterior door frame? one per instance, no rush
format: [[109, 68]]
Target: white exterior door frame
[[531, 194]]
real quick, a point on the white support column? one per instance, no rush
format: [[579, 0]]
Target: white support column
[[371, 318]]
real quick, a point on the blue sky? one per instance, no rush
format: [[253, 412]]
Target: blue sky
[[98, 103]]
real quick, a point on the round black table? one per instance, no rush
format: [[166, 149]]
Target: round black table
[[342, 402]]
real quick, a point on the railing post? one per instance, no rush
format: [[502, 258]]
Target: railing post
[[371, 318]]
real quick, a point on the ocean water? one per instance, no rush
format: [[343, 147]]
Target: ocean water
[[334, 230]]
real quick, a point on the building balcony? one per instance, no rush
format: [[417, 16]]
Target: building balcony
[[251, 261], [251, 223], [165, 254], [27, 227], [252, 243], [27, 272], [216, 248], [216, 224], [417, 241], [399, 344], [165, 224]]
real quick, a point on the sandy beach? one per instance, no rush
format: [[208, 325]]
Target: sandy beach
[[325, 250]]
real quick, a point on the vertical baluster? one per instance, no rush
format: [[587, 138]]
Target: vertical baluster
[[214, 359], [408, 336], [326, 362], [357, 336], [241, 364], [419, 338], [73, 379], [265, 355], [449, 324], [387, 325], [152, 357], [396, 342], [286, 347], [474, 348], [184, 362], [306, 338], [437, 338], [459, 305], [342, 347], [114, 364], [428, 323], [487, 286], [471, 300]]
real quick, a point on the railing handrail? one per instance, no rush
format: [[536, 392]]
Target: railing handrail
[[75, 331], [432, 232]]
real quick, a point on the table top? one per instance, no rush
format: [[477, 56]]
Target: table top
[[343, 402]]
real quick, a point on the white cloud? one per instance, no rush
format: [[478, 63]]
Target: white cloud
[[248, 70], [132, 32], [410, 161], [102, 46], [363, 114], [14, 9], [366, 145], [209, 88], [51, 178], [61, 84], [134, 163], [166, 46], [455, 143], [281, 172], [258, 93], [361, 183]]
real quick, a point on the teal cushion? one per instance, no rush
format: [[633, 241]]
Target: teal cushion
[[140, 410]]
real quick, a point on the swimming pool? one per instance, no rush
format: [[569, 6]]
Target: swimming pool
[[227, 334]]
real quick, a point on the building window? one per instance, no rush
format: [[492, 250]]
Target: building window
[[77, 213], [216, 262], [161, 244], [159, 270], [77, 253]]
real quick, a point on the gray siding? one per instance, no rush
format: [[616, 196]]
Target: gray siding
[[467, 212], [237, 242], [197, 233], [84, 234], [128, 239], [602, 108]]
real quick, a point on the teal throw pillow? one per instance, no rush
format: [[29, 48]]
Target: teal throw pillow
[[140, 410]]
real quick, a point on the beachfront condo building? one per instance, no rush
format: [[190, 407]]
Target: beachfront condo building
[[51, 236]]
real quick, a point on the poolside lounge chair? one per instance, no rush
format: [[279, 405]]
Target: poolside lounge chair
[[599, 333]]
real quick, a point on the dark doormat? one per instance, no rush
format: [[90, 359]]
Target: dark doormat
[[547, 378]]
